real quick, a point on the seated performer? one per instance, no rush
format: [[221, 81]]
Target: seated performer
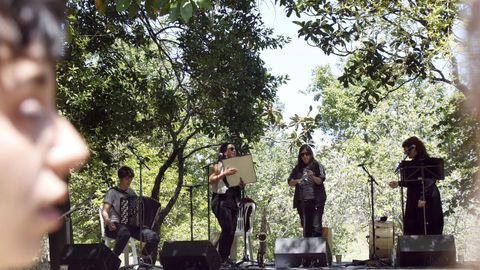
[[416, 201], [122, 232]]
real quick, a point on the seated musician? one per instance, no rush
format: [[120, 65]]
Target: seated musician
[[122, 232]]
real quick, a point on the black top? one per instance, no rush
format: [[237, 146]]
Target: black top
[[319, 190]]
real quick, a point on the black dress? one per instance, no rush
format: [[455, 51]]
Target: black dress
[[413, 221]]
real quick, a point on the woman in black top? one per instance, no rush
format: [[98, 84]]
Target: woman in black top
[[225, 201], [307, 177], [416, 201]]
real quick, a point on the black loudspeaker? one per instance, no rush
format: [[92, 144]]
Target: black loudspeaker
[[426, 250], [199, 255], [289, 252], [88, 257]]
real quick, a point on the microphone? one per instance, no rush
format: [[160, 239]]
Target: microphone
[[361, 165]]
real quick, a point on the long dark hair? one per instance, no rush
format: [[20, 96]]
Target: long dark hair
[[300, 164], [418, 144], [222, 149]]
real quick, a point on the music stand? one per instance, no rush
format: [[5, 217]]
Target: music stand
[[421, 170]]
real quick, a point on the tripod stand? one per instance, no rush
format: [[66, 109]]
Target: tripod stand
[[141, 163], [245, 258]]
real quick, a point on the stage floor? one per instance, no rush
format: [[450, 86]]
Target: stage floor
[[464, 266]]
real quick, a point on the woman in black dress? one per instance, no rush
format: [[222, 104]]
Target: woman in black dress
[[416, 200]]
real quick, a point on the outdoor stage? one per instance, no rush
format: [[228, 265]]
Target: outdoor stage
[[464, 266]]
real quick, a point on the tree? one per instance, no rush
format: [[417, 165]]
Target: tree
[[387, 43], [141, 80]]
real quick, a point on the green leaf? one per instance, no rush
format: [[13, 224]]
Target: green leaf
[[133, 9], [122, 5], [187, 10], [101, 6], [165, 8], [158, 4], [149, 6], [70, 31], [174, 11], [205, 4]]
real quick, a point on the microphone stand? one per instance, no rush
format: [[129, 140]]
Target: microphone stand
[[190, 191], [68, 218], [141, 163], [371, 179], [206, 167]]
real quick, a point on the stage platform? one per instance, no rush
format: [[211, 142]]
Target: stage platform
[[464, 266], [346, 266]]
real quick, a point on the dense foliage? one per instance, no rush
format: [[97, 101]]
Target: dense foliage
[[387, 43], [142, 81]]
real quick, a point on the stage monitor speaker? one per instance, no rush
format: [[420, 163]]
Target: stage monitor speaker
[[426, 250], [199, 255], [289, 252], [88, 257]]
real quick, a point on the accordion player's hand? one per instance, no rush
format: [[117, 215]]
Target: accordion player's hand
[[111, 226]]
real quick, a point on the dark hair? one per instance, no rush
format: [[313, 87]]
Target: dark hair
[[222, 149], [26, 21], [300, 164], [125, 171], [418, 144]]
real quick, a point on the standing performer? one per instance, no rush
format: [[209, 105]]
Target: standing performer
[[122, 232], [225, 201], [416, 201], [307, 177]]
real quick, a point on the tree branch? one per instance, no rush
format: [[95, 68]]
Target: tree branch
[[181, 171]]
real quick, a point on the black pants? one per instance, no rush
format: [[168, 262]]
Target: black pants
[[226, 213], [123, 233], [311, 220]]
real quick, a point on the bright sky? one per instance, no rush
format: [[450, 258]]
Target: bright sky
[[297, 60]]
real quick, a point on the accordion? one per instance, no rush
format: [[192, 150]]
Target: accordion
[[134, 210]]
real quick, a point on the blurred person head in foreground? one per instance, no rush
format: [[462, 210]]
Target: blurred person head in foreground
[[473, 67], [37, 146]]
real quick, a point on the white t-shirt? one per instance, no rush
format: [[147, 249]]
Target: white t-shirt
[[113, 197]]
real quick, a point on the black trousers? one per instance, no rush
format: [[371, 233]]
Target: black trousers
[[311, 219], [123, 233], [226, 213]]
